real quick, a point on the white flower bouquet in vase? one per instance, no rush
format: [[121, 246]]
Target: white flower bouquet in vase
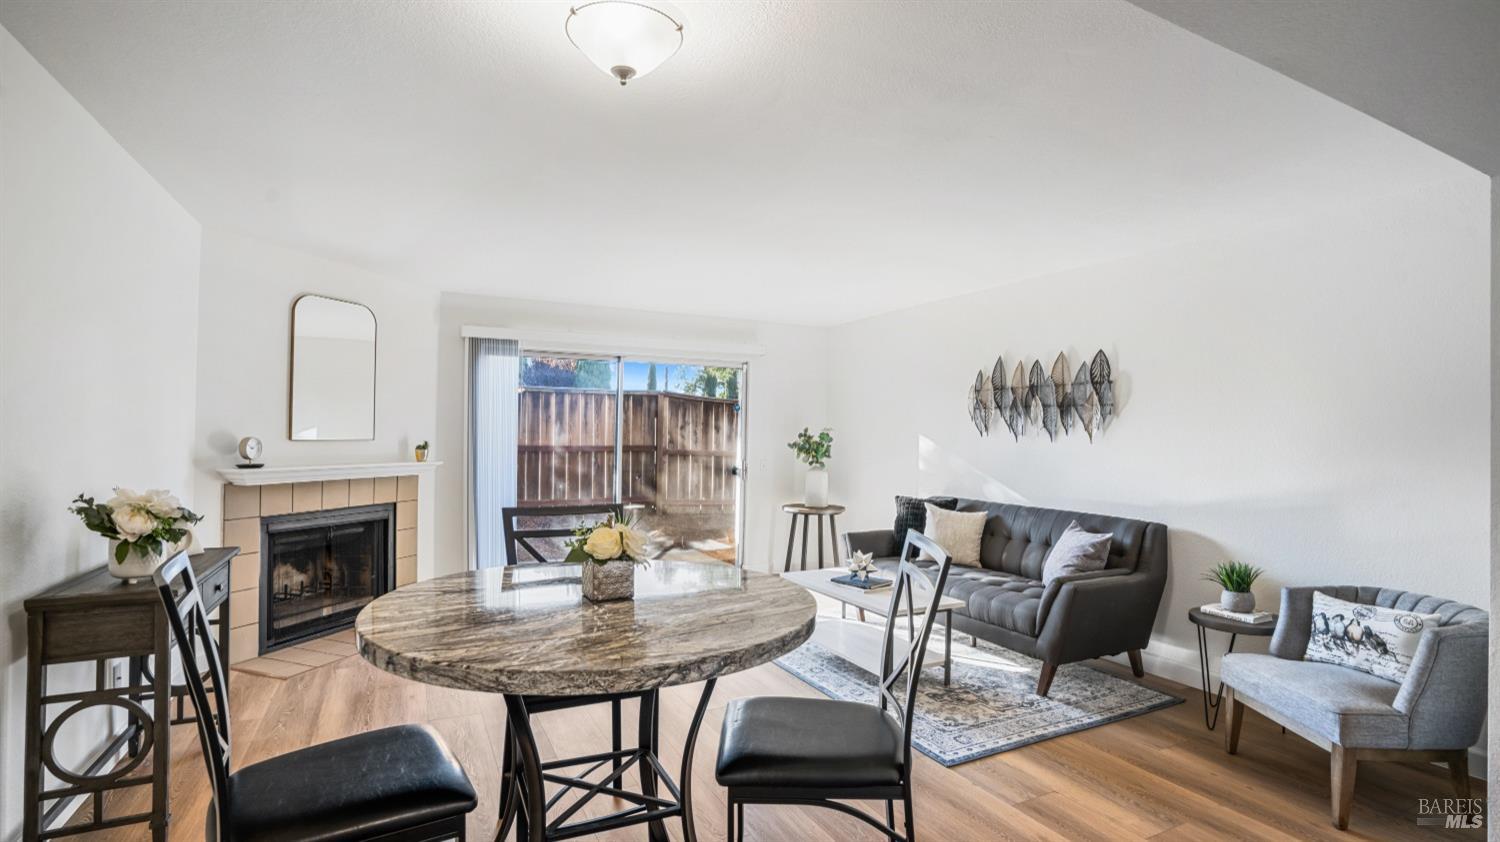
[[609, 553], [144, 530]]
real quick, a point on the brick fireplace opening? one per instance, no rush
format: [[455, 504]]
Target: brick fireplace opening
[[319, 569], [247, 506]]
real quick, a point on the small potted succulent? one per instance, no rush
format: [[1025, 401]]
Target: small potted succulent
[[422, 452], [1236, 578], [144, 530], [609, 553], [815, 451]]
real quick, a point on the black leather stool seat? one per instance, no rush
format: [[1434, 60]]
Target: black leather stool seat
[[773, 741], [355, 788]]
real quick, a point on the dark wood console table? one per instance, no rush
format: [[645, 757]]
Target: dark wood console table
[[96, 617]]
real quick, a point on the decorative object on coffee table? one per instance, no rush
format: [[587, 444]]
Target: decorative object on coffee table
[[814, 451], [862, 565], [1204, 621], [144, 530], [609, 552], [805, 511], [1236, 579]]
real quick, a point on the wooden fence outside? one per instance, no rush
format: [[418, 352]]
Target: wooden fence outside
[[678, 450]]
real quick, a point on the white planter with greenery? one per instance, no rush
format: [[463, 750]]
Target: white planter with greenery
[[144, 530], [815, 489], [814, 451]]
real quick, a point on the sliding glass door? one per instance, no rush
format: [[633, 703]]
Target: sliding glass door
[[662, 438], [681, 451]]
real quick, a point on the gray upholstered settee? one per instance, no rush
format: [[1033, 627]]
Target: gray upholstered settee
[[1435, 714], [1088, 615]]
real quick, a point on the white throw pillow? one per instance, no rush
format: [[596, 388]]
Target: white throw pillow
[[1076, 551], [958, 533], [1379, 641]]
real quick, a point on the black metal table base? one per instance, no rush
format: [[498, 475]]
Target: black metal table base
[[538, 818], [1211, 701]]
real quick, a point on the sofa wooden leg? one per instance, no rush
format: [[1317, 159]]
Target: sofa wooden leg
[[1135, 663], [1458, 767], [1234, 719], [1342, 763], [1044, 680]]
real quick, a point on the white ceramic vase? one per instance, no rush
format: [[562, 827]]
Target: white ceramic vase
[[816, 491], [137, 566]]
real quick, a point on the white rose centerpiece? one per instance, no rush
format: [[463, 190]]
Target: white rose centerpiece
[[144, 529], [609, 552]]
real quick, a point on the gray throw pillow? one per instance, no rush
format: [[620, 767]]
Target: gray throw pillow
[[1076, 551]]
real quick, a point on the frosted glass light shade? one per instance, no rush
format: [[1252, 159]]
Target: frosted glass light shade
[[625, 38]]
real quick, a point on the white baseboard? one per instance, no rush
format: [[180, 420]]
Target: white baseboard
[[1180, 664]]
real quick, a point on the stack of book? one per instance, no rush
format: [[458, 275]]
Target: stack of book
[[1254, 617]]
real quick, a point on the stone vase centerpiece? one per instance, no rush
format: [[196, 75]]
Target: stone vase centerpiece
[[144, 530], [814, 451], [1236, 579], [609, 553]]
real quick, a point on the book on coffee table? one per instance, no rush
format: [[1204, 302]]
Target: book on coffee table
[[873, 583]]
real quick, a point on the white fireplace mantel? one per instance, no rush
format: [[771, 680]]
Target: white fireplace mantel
[[318, 473]]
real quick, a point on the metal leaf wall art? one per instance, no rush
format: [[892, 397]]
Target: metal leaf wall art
[[1034, 399], [1060, 386], [1004, 400], [979, 404]]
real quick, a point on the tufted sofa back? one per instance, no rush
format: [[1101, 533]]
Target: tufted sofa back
[[1017, 539]]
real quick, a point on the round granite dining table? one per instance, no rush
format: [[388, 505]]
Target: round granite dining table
[[527, 632]]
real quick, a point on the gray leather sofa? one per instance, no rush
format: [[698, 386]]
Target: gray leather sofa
[[1435, 715], [1075, 618]]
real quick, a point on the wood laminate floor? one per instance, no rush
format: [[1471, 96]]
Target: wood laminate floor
[[1158, 776]]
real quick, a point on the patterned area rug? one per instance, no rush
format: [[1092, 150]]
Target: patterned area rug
[[991, 705]]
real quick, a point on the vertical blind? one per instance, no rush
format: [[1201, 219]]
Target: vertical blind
[[494, 377]]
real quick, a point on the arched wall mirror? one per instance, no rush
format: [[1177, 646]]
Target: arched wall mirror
[[333, 370]]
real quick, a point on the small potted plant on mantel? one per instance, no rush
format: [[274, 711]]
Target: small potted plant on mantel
[[144, 530], [422, 452], [609, 552], [815, 451], [1236, 578]]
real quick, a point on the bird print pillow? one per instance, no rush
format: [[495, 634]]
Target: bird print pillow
[[1379, 641]]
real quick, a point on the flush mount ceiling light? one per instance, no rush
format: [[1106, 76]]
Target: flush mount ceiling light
[[625, 38]]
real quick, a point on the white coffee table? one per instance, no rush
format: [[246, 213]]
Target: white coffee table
[[860, 643]]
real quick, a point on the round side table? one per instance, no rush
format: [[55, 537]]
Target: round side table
[[804, 511], [1234, 628]]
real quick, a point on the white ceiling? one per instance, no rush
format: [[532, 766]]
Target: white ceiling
[[809, 162]]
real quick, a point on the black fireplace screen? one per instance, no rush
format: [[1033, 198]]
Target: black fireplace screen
[[320, 569]]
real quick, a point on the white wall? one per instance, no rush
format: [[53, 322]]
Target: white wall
[[245, 314], [1311, 398], [98, 331], [787, 391]]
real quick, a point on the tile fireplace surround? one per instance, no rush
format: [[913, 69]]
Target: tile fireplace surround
[[246, 504]]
